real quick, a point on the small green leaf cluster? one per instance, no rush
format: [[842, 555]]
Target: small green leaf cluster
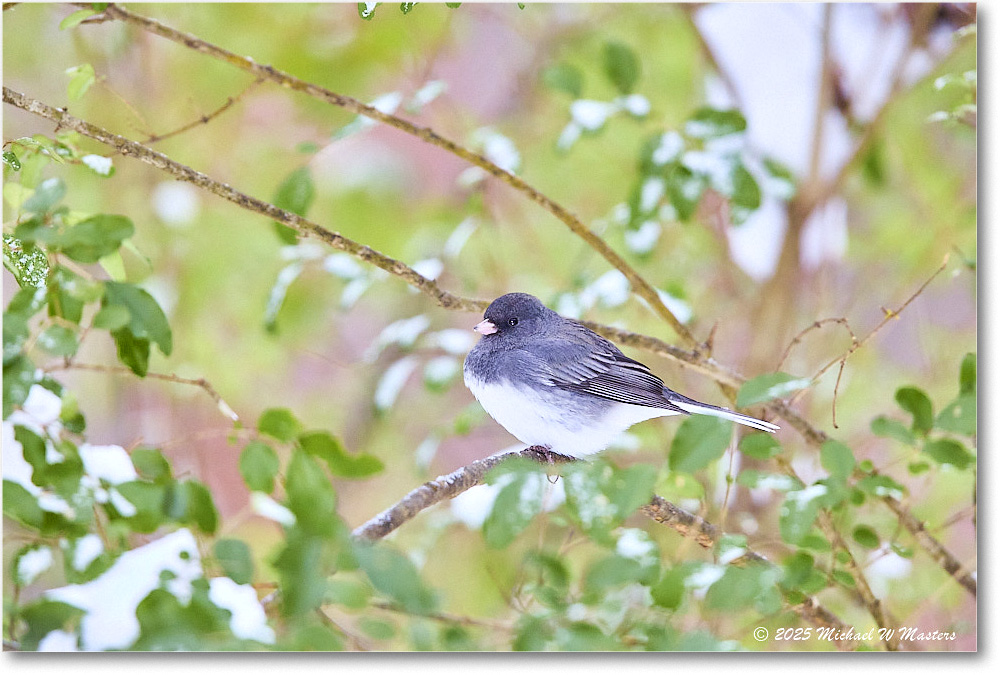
[[947, 438]]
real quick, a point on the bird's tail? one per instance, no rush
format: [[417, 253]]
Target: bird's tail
[[698, 408]]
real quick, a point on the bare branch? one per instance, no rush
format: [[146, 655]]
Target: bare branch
[[185, 173], [890, 314], [205, 119], [641, 287], [200, 382]]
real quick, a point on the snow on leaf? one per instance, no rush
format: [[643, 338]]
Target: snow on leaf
[[111, 599], [248, 621], [392, 382]]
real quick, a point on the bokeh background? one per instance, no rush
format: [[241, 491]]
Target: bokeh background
[[905, 202]]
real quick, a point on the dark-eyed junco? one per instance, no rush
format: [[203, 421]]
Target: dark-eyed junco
[[552, 382]]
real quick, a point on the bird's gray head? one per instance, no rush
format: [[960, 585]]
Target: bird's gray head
[[515, 315]]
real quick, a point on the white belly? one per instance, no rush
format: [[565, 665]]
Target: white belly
[[554, 421]]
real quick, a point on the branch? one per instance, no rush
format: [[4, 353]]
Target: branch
[[200, 382], [641, 287], [204, 119], [185, 173], [688, 525]]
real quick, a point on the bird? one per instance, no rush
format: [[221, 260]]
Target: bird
[[556, 385]]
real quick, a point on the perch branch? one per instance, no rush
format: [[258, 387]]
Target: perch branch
[[687, 524], [691, 358], [641, 287]]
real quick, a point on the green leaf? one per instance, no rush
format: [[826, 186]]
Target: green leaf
[[684, 189], [948, 451], [329, 449], [151, 464], [366, 10], [58, 340], [11, 160], [80, 79], [296, 194], [959, 416], [760, 446], [310, 495], [302, 571], [407, 7], [564, 77], [350, 594], [799, 511], [621, 65], [21, 505], [112, 317], [600, 497], [742, 587], [279, 423], [768, 387], [18, 376], [517, 503], [148, 499], [276, 298], [708, 123], [452, 5], [147, 323], [259, 465], [837, 459], [44, 616], [746, 192], [28, 263], [890, 428], [76, 17], [114, 265], [782, 176], [866, 536], [967, 375], [49, 193], [132, 351], [234, 556], [770, 481], [881, 486], [670, 589], [393, 574], [190, 502], [89, 240], [699, 441], [916, 402]]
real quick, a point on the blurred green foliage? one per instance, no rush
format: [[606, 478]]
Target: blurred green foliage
[[107, 258]]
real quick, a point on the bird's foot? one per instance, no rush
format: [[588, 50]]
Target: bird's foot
[[544, 455]]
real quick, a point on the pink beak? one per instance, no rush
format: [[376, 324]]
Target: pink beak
[[486, 327]]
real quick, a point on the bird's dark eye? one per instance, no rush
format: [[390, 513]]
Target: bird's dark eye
[[512, 322]]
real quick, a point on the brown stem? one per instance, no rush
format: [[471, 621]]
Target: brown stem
[[200, 382]]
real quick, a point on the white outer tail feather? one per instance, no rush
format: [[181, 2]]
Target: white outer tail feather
[[746, 420]]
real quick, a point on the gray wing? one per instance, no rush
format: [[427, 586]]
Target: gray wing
[[589, 364]]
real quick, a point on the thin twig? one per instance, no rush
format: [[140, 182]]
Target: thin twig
[[813, 326], [200, 382], [359, 643], [205, 119], [446, 617], [889, 315], [641, 287]]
